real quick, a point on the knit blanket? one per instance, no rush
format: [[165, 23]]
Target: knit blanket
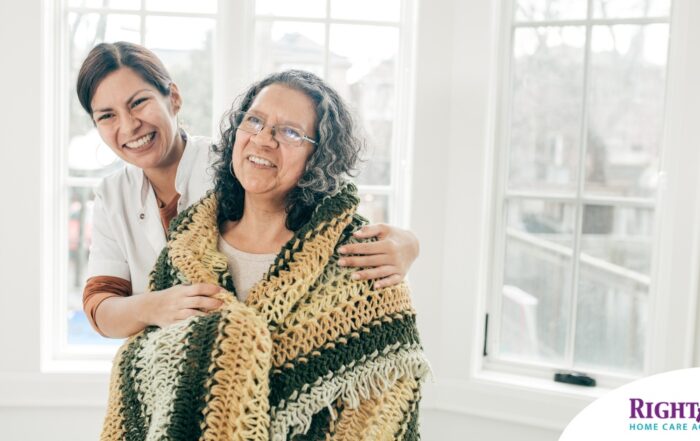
[[311, 355]]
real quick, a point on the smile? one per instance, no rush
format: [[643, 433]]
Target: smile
[[257, 160], [141, 141]]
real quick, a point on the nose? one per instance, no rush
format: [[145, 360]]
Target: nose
[[130, 123], [266, 137]]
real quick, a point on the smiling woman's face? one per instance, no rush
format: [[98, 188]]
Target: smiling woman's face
[[264, 166], [136, 121]]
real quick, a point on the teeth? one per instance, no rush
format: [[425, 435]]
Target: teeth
[[260, 161], [140, 142]]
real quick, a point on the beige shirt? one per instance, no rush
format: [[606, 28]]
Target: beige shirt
[[247, 269]]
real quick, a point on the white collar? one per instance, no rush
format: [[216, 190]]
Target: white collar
[[182, 175]]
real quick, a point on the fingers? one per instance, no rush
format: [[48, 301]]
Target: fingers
[[379, 272], [203, 289], [374, 230], [392, 280], [378, 247], [364, 261], [187, 313], [203, 303]]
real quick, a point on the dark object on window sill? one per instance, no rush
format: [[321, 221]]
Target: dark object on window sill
[[576, 378]]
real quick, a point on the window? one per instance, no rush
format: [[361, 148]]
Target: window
[[356, 47], [582, 122], [361, 57]]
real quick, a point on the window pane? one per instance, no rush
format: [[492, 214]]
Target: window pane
[[611, 322], [80, 205], [200, 6], [546, 108], [186, 47], [113, 4], [533, 10], [80, 211], [374, 207], [362, 69], [619, 235], [536, 280], [626, 117], [385, 10], [547, 220], [288, 45], [631, 8], [291, 8], [89, 156], [535, 309]]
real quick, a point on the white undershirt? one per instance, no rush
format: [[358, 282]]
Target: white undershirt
[[247, 269]]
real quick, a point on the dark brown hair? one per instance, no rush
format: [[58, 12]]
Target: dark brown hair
[[106, 58]]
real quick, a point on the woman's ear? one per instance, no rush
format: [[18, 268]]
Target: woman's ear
[[175, 98]]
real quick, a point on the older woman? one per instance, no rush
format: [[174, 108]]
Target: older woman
[[302, 350], [134, 104]]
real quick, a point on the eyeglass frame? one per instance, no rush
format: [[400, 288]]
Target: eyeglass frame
[[240, 115]]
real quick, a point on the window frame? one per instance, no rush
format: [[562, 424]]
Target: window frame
[[501, 195], [468, 384], [229, 80]]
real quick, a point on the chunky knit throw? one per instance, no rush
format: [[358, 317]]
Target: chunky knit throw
[[310, 355]]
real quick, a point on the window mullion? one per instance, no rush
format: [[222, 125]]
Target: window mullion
[[573, 307], [327, 40], [142, 18], [501, 186]]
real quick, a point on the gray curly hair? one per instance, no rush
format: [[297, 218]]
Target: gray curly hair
[[334, 159]]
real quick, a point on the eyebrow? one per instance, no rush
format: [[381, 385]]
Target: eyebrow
[[131, 98], [284, 122]]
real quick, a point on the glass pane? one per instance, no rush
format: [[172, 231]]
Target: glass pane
[[113, 4], [374, 207], [534, 10], [80, 206], [385, 10], [198, 7], [288, 45], [87, 155], [626, 117], [536, 280], [611, 322], [188, 56], [362, 69], [535, 305], [631, 8], [619, 235], [85, 30], [546, 108], [291, 8], [546, 220]]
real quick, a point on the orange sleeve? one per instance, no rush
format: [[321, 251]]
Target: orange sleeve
[[97, 290]]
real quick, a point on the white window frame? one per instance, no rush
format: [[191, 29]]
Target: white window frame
[[466, 383], [230, 79], [604, 378]]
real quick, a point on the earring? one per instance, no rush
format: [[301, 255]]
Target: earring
[[230, 169]]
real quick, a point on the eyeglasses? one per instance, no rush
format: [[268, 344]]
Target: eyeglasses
[[284, 134]]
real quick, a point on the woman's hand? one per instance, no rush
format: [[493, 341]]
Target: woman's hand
[[163, 308], [387, 260]]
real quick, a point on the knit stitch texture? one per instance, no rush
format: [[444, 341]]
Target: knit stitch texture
[[310, 355]]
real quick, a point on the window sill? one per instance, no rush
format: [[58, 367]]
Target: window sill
[[513, 398], [53, 390]]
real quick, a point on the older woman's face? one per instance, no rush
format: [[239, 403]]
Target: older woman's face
[[264, 166]]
